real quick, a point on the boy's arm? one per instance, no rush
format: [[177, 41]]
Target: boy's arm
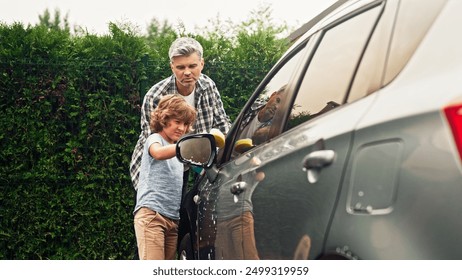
[[159, 152]]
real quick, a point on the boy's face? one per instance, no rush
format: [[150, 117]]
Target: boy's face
[[174, 130]]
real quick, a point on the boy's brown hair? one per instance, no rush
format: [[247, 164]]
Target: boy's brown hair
[[170, 107]]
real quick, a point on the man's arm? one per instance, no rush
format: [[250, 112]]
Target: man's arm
[[220, 118], [146, 110]]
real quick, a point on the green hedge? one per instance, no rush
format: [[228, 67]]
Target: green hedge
[[69, 120]]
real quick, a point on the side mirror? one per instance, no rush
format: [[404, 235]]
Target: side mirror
[[197, 149]]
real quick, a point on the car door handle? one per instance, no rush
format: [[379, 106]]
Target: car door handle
[[238, 187], [318, 159], [315, 161]]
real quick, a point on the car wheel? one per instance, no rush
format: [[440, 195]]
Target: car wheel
[[185, 250]]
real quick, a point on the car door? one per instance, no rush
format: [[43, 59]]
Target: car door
[[304, 166], [274, 197], [224, 223]]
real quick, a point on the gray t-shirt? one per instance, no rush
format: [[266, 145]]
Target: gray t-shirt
[[160, 183]]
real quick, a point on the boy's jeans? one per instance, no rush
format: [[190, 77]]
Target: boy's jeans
[[156, 235]]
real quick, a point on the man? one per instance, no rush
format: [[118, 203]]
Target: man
[[187, 80], [257, 124]]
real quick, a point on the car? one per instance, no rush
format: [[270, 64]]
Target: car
[[349, 148]]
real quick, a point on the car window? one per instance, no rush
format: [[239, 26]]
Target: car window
[[258, 120], [369, 76], [412, 23], [332, 67]]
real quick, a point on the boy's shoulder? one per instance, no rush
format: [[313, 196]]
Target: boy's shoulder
[[155, 137]]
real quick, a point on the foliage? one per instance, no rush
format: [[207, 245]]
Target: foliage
[[68, 123], [57, 23], [70, 109]]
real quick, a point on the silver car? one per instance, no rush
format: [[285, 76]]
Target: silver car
[[350, 148]]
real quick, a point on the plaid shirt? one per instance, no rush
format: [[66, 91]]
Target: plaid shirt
[[210, 114]]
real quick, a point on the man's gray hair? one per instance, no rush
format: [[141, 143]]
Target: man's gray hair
[[185, 46]]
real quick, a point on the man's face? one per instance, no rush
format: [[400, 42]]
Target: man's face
[[187, 69], [268, 111]]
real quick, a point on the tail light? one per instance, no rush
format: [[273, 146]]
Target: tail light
[[454, 116]]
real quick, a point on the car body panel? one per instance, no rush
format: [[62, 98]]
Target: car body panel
[[422, 222], [300, 209], [375, 177]]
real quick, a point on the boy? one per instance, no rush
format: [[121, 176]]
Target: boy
[[161, 180]]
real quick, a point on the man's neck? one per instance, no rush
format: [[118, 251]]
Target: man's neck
[[185, 91]]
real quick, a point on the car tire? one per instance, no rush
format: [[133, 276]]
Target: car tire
[[185, 249]]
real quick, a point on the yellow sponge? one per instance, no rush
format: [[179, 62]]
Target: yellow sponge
[[219, 137], [243, 145]]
